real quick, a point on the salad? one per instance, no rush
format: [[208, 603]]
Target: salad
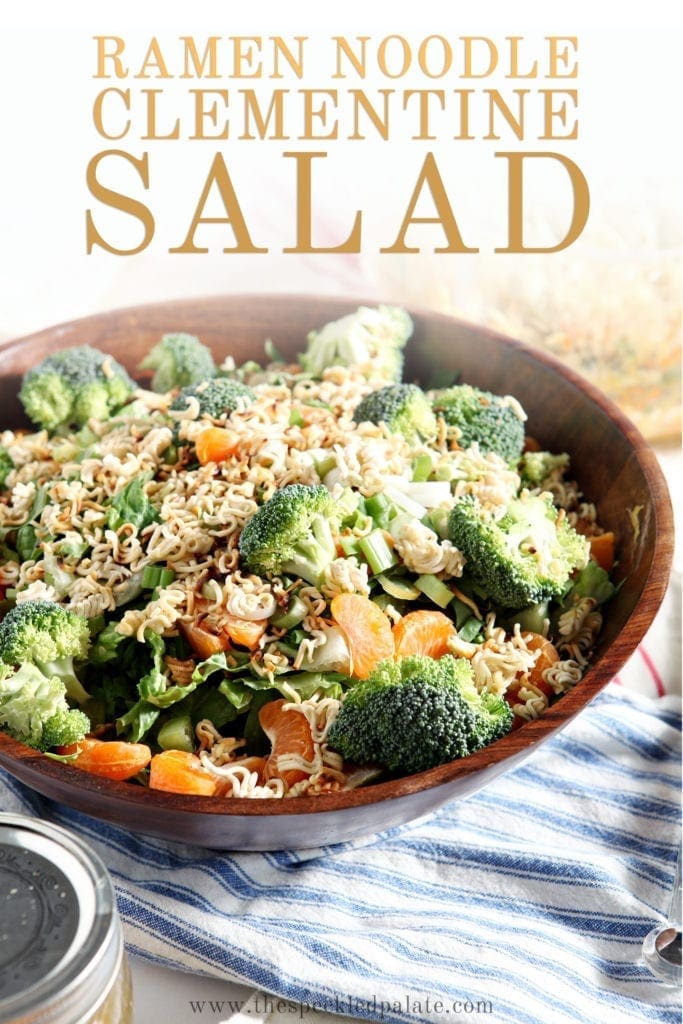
[[277, 579]]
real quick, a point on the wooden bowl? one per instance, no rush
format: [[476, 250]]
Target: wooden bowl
[[613, 464]]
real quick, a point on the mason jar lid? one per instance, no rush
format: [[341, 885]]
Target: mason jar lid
[[60, 936]]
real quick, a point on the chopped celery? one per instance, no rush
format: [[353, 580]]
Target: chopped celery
[[296, 419], [177, 734], [296, 613], [396, 586], [435, 589], [377, 552], [349, 543], [422, 468], [324, 464], [154, 576], [438, 520]]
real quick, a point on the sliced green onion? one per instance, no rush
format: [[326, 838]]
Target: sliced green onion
[[422, 467], [395, 586], [177, 734], [349, 543], [154, 576], [296, 419], [470, 629], [377, 552], [435, 589], [461, 611], [438, 520], [325, 464], [296, 613]]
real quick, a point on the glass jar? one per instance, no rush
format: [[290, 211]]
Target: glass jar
[[62, 959]]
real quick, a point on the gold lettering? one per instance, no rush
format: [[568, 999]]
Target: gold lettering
[[204, 113], [152, 133], [380, 121], [218, 176], [118, 202], [429, 176], [580, 202], [304, 217], [311, 112], [405, 56], [496, 102], [550, 112], [559, 56], [296, 63], [210, 57], [424, 96], [243, 56], [447, 57], [275, 111], [343, 47], [153, 61], [468, 61], [103, 57], [98, 117], [514, 42]]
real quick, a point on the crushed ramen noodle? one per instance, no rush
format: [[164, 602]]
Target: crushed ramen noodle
[[241, 573]]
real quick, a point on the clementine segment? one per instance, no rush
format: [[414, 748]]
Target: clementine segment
[[112, 759], [423, 632], [177, 771], [202, 641], [289, 733], [602, 550], [244, 632], [367, 630], [215, 444], [548, 656]]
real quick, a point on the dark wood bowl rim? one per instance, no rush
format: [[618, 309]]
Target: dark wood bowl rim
[[519, 742]]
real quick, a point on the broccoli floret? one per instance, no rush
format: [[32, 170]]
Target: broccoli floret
[[68, 725], [216, 397], [403, 407], [178, 360], [6, 465], [495, 423], [73, 385], [293, 533], [522, 558], [416, 713], [43, 634], [536, 467], [372, 337], [33, 709]]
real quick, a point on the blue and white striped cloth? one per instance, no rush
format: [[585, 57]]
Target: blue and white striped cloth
[[531, 898]]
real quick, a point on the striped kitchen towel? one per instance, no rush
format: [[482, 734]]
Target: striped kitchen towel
[[526, 903]]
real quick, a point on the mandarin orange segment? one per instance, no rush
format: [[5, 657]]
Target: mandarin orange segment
[[178, 771], [244, 632], [548, 656], [423, 632], [215, 444], [602, 550], [112, 759], [202, 641], [289, 733], [367, 630]]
